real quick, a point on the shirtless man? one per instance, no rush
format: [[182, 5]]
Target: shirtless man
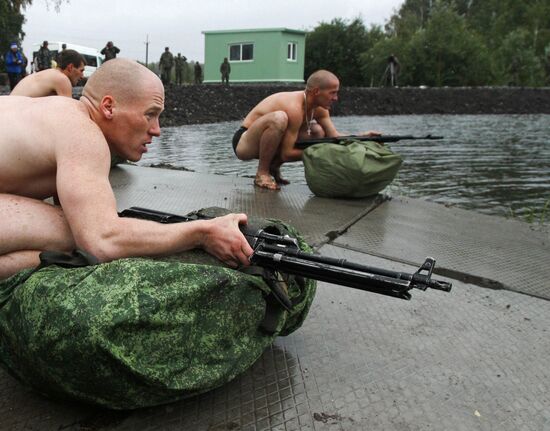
[[271, 129], [119, 113], [51, 82]]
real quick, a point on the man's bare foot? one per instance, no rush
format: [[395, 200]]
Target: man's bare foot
[[266, 182], [278, 179]]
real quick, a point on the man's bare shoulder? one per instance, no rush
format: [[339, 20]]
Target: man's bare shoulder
[[44, 83], [49, 113], [287, 101], [286, 96]]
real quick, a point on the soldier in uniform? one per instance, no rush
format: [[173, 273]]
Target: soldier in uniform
[[225, 70], [181, 66], [110, 51], [166, 64], [198, 73], [44, 57]]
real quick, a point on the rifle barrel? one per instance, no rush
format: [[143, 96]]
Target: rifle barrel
[[302, 144]]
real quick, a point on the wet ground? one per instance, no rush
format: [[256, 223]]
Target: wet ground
[[472, 359]]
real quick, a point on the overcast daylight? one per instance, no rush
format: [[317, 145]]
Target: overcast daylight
[[179, 24]]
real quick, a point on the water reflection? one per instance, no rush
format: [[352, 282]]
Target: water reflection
[[489, 163]]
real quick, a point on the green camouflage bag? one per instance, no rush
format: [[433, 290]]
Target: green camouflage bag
[[141, 332], [352, 169]]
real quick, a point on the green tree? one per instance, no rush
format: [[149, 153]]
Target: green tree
[[517, 61], [336, 46], [450, 53], [12, 20], [11, 23]]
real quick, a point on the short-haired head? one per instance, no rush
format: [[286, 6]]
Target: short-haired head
[[321, 79], [70, 56], [120, 78]]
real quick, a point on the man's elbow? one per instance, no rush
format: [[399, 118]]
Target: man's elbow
[[102, 246]]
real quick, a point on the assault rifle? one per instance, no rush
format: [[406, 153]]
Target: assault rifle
[[377, 138], [282, 253]]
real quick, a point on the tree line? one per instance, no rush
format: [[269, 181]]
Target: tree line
[[440, 43], [437, 42]]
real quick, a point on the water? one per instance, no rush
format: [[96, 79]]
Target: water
[[493, 164]]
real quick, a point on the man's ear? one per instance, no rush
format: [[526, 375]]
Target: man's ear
[[107, 106]]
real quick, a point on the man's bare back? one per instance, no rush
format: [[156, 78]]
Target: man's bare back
[[54, 82], [290, 102], [28, 165], [49, 82]]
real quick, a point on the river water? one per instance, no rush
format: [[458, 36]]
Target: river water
[[493, 164]]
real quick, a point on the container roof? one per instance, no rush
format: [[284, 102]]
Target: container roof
[[256, 30]]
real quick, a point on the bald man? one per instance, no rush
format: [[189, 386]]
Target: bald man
[[270, 130], [54, 82], [118, 113]]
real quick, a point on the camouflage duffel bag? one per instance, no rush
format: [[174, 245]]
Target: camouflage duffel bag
[[141, 332]]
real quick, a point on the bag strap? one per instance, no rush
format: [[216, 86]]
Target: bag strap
[[276, 301], [76, 259]]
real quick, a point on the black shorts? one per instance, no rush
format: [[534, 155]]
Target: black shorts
[[237, 137]]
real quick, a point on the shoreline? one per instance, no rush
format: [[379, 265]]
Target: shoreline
[[198, 104], [213, 103]]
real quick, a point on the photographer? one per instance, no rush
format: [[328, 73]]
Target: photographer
[[14, 64]]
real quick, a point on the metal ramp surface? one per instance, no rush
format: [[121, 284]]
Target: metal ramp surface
[[181, 192], [471, 359], [488, 251]]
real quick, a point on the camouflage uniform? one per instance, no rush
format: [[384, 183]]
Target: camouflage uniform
[[43, 59], [181, 67], [110, 51], [225, 70], [198, 73], [140, 332], [166, 64]]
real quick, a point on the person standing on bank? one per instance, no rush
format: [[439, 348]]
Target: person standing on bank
[[225, 70], [43, 58], [110, 51], [394, 67], [166, 64], [14, 65], [198, 73], [181, 66]]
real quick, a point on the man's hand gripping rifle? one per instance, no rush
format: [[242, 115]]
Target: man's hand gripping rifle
[[281, 253]]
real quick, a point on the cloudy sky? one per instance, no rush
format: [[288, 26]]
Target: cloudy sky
[[179, 23]]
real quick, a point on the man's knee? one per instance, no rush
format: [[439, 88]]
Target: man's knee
[[278, 120]]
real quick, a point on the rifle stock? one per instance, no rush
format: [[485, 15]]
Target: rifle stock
[[281, 253], [302, 144]]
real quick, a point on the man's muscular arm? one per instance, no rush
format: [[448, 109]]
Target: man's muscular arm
[[89, 205], [323, 118]]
